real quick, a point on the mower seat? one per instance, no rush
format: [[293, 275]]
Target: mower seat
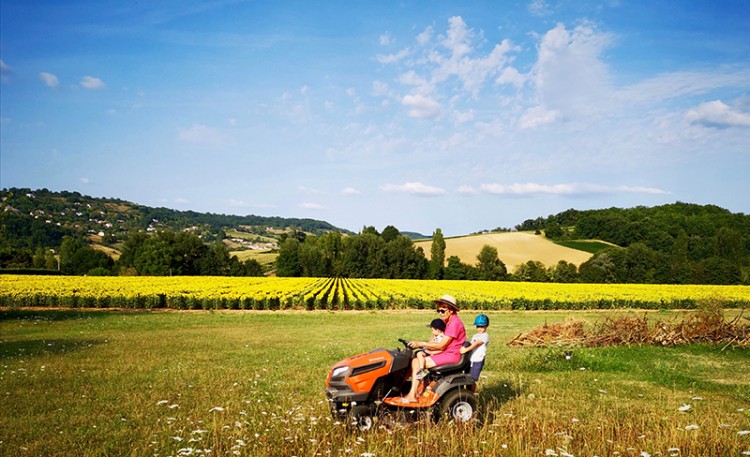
[[462, 365]]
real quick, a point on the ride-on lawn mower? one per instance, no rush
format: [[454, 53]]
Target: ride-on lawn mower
[[363, 387]]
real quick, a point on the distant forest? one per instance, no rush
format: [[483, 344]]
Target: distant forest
[[680, 243]]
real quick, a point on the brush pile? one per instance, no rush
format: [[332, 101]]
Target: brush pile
[[705, 326]]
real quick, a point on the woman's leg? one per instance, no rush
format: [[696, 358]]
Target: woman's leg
[[416, 365]]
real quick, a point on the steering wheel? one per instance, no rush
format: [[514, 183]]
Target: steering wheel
[[404, 342]]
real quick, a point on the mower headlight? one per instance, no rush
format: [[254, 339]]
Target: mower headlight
[[339, 371]]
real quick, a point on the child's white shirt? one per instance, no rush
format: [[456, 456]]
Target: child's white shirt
[[478, 354]]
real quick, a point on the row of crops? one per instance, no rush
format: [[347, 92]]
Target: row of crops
[[202, 292]]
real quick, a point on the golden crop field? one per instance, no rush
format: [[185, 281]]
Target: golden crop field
[[513, 248], [205, 292]]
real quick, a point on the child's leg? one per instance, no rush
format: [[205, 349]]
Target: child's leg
[[476, 369]]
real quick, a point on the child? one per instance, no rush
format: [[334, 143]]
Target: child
[[438, 330], [478, 345]]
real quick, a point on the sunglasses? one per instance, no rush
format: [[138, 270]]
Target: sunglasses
[[442, 310]]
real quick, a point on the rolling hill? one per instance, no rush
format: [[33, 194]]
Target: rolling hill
[[513, 248]]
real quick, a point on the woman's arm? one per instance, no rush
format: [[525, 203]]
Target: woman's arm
[[431, 345]]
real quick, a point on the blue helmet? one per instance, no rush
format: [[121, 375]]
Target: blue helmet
[[481, 321]]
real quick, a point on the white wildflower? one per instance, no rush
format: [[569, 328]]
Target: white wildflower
[[645, 454], [161, 402], [692, 427], [743, 432], [550, 452], [684, 408], [216, 408]]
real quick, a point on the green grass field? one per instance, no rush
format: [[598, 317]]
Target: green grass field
[[251, 383]]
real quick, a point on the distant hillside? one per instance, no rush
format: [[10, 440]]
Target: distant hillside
[[33, 218], [513, 248]]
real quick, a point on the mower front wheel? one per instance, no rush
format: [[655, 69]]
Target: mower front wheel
[[362, 418], [459, 405]]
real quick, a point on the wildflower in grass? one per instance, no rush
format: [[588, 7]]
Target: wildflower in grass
[[645, 454], [161, 402], [692, 427], [743, 432], [216, 408], [550, 453], [684, 408]]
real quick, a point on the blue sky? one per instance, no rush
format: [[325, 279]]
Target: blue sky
[[458, 115]]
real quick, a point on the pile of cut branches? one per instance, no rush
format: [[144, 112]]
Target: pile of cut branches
[[705, 326]]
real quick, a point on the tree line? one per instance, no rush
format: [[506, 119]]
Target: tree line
[[371, 254], [678, 243], [165, 253]]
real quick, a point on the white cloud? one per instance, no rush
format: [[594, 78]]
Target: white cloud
[[569, 75], [415, 188], [391, 58], [181, 201], [521, 189], [425, 37], [5, 71], [49, 79], [473, 72], [243, 204], [421, 107], [350, 191], [386, 39], [309, 191], [91, 83], [678, 84], [511, 76], [237, 203], [201, 134], [717, 114], [466, 190], [310, 205], [539, 8], [85, 180], [538, 115]]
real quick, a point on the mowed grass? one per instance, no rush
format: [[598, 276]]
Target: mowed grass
[[265, 258], [513, 248], [251, 383]]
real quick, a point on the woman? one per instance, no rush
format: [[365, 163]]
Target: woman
[[449, 346]]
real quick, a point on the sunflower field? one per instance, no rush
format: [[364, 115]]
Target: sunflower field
[[201, 292]]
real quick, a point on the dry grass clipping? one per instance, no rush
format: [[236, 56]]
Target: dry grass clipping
[[705, 326]]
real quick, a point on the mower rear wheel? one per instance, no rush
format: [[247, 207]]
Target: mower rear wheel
[[459, 405], [362, 418]]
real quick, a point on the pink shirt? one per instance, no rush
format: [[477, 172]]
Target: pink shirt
[[454, 329]]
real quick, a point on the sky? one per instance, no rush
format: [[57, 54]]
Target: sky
[[459, 115]]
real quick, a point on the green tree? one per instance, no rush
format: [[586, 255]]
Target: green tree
[[489, 266], [600, 268], [531, 271], [390, 233], [288, 261], [553, 231], [563, 272], [437, 255]]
